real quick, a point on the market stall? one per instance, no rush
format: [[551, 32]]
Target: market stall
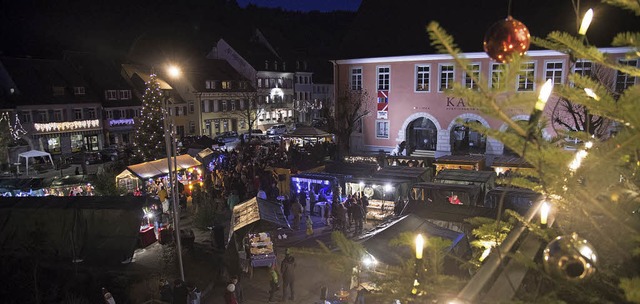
[[465, 162], [29, 155], [323, 186], [485, 179], [415, 174], [254, 224], [506, 165], [303, 135], [149, 175], [382, 193], [70, 185], [21, 187]]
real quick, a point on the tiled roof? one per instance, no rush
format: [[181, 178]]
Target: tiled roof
[[35, 79], [213, 69]]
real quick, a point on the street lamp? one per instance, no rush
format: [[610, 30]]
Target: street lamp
[[174, 72]]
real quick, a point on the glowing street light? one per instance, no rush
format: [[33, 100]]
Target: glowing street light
[[174, 71]]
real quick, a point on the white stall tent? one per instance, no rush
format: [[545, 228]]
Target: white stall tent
[[31, 154]]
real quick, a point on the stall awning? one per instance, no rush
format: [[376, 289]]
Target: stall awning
[[258, 211], [377, 241], [306, 132], [159, 167]]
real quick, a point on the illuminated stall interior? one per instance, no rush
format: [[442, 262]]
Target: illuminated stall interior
[[465, 162], [150, 175], [381, 192]]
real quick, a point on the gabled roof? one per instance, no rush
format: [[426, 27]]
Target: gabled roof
[[214, 69], [102, 74], [34, 80]]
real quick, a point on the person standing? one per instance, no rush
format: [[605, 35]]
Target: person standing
[[229, 294], [287, 268], [236, 282], [108, 298], [309, 226], [296, 210], [194, 295], [180, 292], [357, 215], [274, 282], [162, 194], [166, 294]]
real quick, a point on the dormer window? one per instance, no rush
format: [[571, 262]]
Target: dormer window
[[125, 94], [78, 91], [266, 64], [210, 85], [226, 85], [111, 94], [58, 91]]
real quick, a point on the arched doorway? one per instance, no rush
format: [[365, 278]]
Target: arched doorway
[[465, 140], [421, 134]]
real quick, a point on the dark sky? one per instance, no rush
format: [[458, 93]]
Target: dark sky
[[306, 5]]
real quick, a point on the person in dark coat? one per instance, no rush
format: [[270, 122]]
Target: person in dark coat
[[166, 294], [358, 217], [180, 292], [287, 269]]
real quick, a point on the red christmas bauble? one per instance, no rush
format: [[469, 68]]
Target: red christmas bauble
[[505, 38]]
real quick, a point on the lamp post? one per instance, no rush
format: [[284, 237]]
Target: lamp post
[[173, 72]]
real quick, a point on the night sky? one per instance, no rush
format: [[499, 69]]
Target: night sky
[[306, 5]]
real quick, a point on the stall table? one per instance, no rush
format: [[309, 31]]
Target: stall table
[[147, 236]]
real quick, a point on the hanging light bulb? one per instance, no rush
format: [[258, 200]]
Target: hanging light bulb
[[591, 94], [586, 21]]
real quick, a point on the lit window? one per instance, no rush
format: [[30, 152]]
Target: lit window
[[423, 73], [526, 76], [554, 70], [384, 76], [382, 129], [226, 85], [446, 77], [471, 76]]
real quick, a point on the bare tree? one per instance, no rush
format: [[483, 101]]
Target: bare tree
[[343, 117], [252, 109], [572, 117]]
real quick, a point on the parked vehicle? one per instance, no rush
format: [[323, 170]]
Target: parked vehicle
[[277, 130], [226, 137], [111, 154], [87, 157]]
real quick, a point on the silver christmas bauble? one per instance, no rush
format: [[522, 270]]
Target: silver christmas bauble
[[570, 257]]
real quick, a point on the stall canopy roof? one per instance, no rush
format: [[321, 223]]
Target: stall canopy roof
[[204, 153], [269, 215], [33, 153], [465, 176], [377, 241], [419, 174], [308, 132], [159, 167]]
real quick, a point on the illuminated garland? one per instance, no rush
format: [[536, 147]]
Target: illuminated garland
[[16, 130], [67, 125], [121, 122]]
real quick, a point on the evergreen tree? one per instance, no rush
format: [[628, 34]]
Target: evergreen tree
[[149, 143]]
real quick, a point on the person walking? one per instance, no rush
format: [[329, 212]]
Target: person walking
[[287, 269], [296, 210], [274, 282]]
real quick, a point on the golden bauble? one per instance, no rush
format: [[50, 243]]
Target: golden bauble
[[570, 257], [505, 38]]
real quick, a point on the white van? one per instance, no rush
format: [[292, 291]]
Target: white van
[[277, 130]]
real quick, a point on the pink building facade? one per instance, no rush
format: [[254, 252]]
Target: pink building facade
[[408, 101]]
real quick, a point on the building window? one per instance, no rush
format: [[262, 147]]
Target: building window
[[471, 76], [109, 114], [210, 85], [25, 116], [57, 115], [192, 107], [58, 91], [583, 67], [233, 105], [259, 82], [497, 73], [192, 127], [180, 131], [226, 85], [526, 76], [624, 80], [125, 94], [53, 144], [91, 113], [43, 116], [384, 75], [423, 73], [446, 76], [382, 129], [554, 70], [356, 79], [224, 106], [77, 114], [243, 85], [111, 94], [78, 91], [77, 142]]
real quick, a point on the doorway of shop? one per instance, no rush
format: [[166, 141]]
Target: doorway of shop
[[465, 140], [421, 135]]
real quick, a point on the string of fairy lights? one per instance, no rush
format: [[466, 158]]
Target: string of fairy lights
[[16, 130]]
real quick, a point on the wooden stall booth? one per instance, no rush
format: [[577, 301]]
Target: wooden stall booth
[[465, 162], [144, 175], [486, 180], [383, 193]]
